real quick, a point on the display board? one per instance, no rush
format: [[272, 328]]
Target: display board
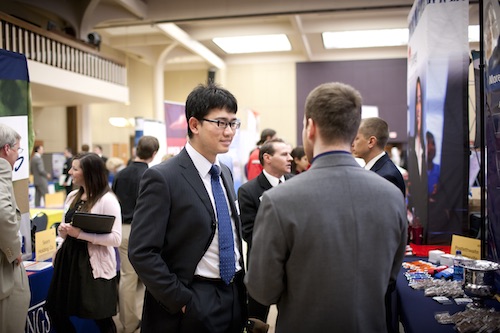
[[438, 151], [491, 61], [15, 111]]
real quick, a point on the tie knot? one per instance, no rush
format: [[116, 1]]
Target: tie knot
[[215, 171]]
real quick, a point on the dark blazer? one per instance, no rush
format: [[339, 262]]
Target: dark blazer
[[174, 224], [387, 169], [417, 186], [249, 196]]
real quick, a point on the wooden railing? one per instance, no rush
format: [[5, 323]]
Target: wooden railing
[[59, 51]]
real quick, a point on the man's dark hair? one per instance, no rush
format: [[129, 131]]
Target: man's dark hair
[[146, 147], [204, 98], [265, 135], [268, 148]]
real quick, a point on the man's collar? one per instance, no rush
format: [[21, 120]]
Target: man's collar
[[374, 160], [271, 179]]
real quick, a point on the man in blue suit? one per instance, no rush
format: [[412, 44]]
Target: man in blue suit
[[369, 145], [186, 208]]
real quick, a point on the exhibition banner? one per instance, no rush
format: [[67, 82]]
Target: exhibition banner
[[491, 28], [15, 104], [437, 119], [175, 121], [15, 111]]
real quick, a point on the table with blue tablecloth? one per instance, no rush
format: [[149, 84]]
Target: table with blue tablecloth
[[37, 319], [416, 311]]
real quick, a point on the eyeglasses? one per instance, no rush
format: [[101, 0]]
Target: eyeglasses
[[19, 149], [235, 124]]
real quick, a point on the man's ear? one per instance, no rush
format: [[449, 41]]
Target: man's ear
[[193, 124], [372, 141], [310, 129]]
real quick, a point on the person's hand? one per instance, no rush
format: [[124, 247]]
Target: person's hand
[[67, 229], [73, 231], [18, 260], [49, 176], [183, 309]]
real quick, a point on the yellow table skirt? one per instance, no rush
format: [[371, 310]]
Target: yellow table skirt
[[54, 215]]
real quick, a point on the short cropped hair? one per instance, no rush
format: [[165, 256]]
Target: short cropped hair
[[265, 135], [376, 127], [336, 109], [146, 147], [268, 148]]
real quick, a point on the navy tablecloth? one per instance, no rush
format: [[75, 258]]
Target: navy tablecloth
[[416, 312], [37, 319]]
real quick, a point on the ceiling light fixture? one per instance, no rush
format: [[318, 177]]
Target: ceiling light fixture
[[253, 44], [376, 38], [121, 122], [365, 38]]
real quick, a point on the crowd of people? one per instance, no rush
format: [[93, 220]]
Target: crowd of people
[[179, 226]]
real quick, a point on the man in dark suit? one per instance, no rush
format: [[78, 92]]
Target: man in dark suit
[[67, 180], [276, 161], [184, 211], [369, 145], [318, 250]]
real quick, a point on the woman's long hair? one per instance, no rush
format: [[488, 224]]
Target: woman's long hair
[[297, 152], [95, 176]]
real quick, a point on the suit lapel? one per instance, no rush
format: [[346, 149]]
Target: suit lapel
[[263, 182], [192, 176], [228, 185], [226, 176]]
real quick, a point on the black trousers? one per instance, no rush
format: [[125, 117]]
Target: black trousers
[[214, 308]]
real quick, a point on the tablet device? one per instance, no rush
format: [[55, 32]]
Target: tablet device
[[94, 223]]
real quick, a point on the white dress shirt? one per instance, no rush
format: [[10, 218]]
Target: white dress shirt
[[209, 263]]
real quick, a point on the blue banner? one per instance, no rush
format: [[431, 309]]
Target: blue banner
[[437, 120], [491, 28]]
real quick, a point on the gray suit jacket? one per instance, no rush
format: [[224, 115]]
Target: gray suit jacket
[[173, 225], [10, 219], [249, 196], [39, 174], [329, 240]]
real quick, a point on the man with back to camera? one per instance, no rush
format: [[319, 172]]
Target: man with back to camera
[[276, 160], [40, 176], [126, 188], [253, 166], [315, 247], [369, 145], [185, 242], [14, 287]]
